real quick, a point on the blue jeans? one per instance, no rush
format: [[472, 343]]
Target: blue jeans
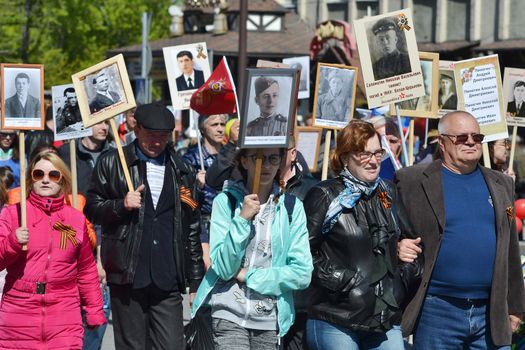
[[93, 337], [323, 335], [452, 323]]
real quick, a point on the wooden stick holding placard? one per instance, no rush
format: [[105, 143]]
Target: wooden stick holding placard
[[74, 180], [196, 123], [402, 135], [486, 155], [23, 189], [121, 155], [513, 148], [258, 167], [411, 142], [326, 155]]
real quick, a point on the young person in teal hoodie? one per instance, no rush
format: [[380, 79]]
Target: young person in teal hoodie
[[259, 255]]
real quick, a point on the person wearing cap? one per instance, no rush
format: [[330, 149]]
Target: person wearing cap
[[212, 131], [104, 96], [151, 249], [393, 61], [269, 123], [516, 108], [332, 104], [447, 98], [190, 78]]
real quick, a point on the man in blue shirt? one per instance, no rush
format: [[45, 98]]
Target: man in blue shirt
[[471, 294]]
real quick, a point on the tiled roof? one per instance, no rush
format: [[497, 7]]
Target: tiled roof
[[293, 41], [447, 46]]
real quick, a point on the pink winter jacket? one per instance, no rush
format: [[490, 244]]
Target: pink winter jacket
[[46, 285]]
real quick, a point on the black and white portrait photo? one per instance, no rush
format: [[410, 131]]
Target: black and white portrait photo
[[303, 64], [22, 96], [514, 96], [66, 114], [334, 99], [103, 90], [447, 97], [187, 68], [389, 57], [268, 108], [424, 106]]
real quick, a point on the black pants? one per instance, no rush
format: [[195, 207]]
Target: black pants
[[146, 318]]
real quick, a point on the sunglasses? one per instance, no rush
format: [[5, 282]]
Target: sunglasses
[[463, 138], [5, 135], [367, 156], [53, 175], [273, 159]]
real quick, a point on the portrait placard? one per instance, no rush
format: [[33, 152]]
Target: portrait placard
[[447, 94], [478, 83], [334, 96], [268, 108], [514, 96], [308, 142], [389, 58], [425, 106], [303, 64], [187, 68], [103, 91], [67, 119], [22, 96]]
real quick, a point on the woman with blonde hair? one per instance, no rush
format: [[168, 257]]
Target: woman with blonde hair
[[48, 283]]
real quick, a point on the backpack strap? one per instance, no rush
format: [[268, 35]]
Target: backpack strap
[[233, 202], [289, 204]]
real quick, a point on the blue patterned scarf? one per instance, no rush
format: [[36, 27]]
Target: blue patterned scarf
[[348, 198]]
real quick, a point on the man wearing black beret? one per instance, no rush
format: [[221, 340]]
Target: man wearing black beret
[[151, 249], [269, 123], [392, 61]]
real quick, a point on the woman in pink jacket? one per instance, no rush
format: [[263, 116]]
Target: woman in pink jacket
[[48, 283]]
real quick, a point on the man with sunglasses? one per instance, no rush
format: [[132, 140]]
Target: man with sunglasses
[[471, 294], [151, 249]]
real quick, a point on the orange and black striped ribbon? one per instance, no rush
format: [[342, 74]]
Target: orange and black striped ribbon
[[66, 232], [385, 200], [186, 197]]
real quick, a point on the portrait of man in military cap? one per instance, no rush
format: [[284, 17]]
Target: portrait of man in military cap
[[267, 116], [391, 57]]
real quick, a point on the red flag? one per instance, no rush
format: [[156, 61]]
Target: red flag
[[217, 94]]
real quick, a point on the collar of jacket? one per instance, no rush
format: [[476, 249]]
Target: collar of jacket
[[47, 204], [132, 159]]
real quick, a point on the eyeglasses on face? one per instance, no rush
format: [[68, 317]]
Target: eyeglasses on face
[[5, 135], [463, 138], [273, 159], [367, 156], [53, 175], [504, 143]]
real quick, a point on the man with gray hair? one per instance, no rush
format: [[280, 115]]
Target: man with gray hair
[[269, 123], [471, 294]]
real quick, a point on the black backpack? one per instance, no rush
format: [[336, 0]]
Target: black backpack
[[289, 204]]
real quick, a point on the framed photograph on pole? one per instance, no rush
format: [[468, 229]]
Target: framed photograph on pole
[[308, 142], [67, 119], [268, 108], [514, 96], [103, 90], [22, 96]]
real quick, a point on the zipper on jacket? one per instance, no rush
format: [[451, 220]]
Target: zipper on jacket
[[43, 296]]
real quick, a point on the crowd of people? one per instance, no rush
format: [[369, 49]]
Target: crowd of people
[[359, 261]]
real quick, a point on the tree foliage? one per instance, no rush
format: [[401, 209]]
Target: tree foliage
[[68, 36]]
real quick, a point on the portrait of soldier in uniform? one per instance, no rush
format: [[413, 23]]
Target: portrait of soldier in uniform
[[269, 122], [391, 49], [69, 113]]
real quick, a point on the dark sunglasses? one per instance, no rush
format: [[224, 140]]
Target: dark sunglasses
[[53, 175], [5, 135], [273, 159], [463, 138]]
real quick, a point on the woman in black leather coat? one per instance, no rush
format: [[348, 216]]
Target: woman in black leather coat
[[357, 288]]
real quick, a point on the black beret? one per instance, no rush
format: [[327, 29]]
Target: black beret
[[154, 116], [263, 83], [384, 25]]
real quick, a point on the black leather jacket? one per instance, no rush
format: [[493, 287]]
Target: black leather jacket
[[357, 282], [122, 229]]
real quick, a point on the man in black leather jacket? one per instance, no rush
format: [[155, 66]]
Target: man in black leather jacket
[[150, 242]]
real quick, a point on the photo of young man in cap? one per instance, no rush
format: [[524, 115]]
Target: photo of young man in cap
[[269, 123], [391, 50], [447, 98]]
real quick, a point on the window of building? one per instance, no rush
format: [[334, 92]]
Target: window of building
[[367, 8], [425, 20], [264, 22], [458, 20], [337, 10], [517, 14]]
